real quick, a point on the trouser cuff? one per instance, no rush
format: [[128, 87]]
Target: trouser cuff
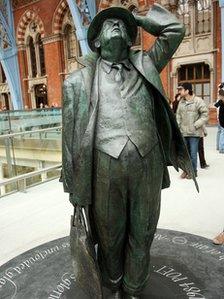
[[136, 291], [113, 285]]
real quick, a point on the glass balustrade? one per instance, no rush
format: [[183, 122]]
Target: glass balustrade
[[30, 141], [29, 120]]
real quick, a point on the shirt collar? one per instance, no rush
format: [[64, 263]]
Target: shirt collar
[[107, 65]]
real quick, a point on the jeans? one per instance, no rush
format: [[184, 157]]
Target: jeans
[[218, 137], [221, 140], [192, 145]]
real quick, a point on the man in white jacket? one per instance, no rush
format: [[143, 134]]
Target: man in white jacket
[[192, 114]]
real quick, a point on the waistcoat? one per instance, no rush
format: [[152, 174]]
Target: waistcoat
[[125, 111]]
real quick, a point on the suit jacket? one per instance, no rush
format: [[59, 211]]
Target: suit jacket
[[80, 111]]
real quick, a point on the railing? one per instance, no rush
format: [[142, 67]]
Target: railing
[[21, 180], [29, 120], [30, 148], [33, 134]]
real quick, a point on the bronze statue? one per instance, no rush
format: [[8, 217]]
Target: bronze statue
[[119, 136]]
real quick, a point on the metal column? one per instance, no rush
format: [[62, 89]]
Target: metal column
[[83, 11], [8, 53]]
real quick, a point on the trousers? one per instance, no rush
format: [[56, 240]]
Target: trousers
[[218, 136], [221, 140], [126, 208], [192, 145], [201, 152]]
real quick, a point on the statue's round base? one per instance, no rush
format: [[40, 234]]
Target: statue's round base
[[182, 266]]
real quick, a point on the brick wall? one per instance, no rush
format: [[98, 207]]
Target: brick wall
[[52, 50], [54, 54], [54, 71]]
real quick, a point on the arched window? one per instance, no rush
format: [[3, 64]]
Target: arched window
[[184, 15], [203, 16], [71, 43], [41, 55], [32, 53]]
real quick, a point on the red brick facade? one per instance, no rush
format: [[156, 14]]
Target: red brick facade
[[45, 13], [48, 16]]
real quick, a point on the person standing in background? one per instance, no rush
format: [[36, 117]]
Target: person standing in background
[[220, 106], [201, 151], [192, 114], [175, 103]]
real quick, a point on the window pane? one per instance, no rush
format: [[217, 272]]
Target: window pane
[[182, 73], [184, 15], [72, 43], [206, 72], [72, 46], [33, 57], [190, 72], [207, 89], [41, 54], [198, 71], [198, 89], [203, 16]]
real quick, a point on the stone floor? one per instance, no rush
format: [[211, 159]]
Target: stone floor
[[183, 266], [43, 213]]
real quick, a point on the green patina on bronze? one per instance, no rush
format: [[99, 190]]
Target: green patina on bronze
[[121, 187]]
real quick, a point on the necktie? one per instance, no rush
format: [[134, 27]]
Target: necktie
[[118, 76]]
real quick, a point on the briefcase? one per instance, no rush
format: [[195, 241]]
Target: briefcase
[[85, 267]]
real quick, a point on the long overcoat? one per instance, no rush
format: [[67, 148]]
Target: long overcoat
[[80, 111]]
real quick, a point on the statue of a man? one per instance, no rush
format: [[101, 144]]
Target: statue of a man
[[119, 136]]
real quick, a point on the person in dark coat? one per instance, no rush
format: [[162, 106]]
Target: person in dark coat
[[220, 105], [175, 103], [201, 151]]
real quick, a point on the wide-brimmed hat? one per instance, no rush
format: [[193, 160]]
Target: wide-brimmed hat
[[112, 12]]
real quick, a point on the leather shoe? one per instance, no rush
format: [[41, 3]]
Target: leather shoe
[[219, 240], [183, 175], [116, 295], [127, 296], [204, 166]]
